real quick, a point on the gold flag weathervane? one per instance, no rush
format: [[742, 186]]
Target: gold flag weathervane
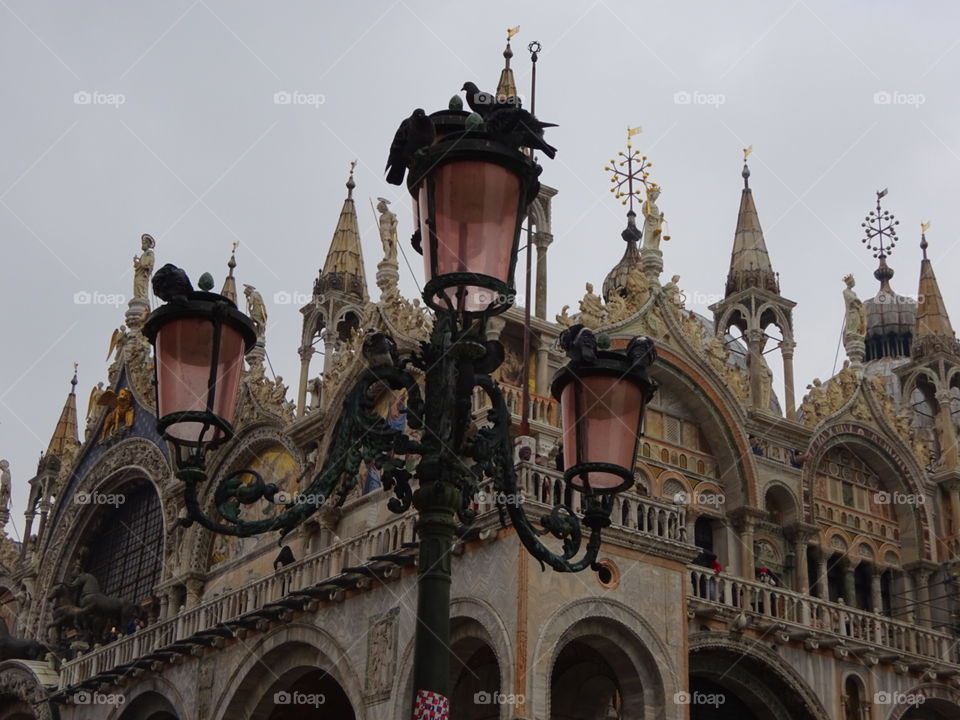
[[512, 31], [924, 226], [628, 168], [746, 152]]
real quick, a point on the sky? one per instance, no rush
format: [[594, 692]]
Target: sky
[[124, 118]]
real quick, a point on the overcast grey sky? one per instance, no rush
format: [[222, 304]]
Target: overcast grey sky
[[200, 155]]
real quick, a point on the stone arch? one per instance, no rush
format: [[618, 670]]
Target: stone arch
[[854, 693], [150, 699], [719, 415], [669, 483], [641, 654], [287, 650], [234, 457], [945, 701], [24, 687], [780, 502], [765, 678], [895, 468], [770, 314]]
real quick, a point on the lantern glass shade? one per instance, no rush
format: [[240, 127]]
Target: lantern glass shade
[[474, 207], [197, 374], [601, 417]]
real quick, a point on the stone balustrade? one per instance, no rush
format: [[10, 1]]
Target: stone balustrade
[[309, 571], [543, 410], [822, 623]]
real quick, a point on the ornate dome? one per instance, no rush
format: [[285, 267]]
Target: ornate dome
[[890, 319], [617, 277]]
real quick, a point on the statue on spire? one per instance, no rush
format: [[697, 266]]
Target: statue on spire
[[388, 231], [854, 323], [256, 310], [652, 219], [143, 268]]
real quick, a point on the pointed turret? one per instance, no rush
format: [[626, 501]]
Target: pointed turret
[[343, 269], [617, 278], [229, 289], [749, 262], [507, 88], [65, 434], [752, 303], [933, 331]]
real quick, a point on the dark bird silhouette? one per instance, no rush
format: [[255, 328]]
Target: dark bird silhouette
[[580, 343], [493, 358], [415, 132], [516, 127], [641, 352], [484, 103], [171, 282], [284, 558], [379, 349]]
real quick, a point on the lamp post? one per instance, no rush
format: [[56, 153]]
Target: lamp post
[[471, 192]]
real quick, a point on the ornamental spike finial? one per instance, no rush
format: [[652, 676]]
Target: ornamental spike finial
[[628, 168], [923, 237]]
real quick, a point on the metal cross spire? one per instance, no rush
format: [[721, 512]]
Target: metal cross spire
[[637, 170], [880, 225]]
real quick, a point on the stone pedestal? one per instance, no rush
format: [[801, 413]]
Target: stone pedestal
[[388, 274], [137, 311], [856, 349], [258, 353], [652, 262]]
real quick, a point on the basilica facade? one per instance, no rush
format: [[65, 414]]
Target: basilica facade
[[781, 556]]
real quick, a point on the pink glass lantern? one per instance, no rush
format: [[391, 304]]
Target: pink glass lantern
[[199, 347], [470, 198], [601, 407]]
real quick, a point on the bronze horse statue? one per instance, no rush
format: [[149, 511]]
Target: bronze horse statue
[[14, 648], [90, 609]]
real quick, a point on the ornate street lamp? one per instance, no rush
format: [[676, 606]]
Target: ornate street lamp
[[471, 192]]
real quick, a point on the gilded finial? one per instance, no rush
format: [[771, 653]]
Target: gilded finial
[[232, 262], [637, 170], [923, 237], [73, 382], [512, 31], [745, 174]]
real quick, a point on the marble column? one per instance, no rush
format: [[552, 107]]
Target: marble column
[[876, 591], [542, 240], [305, 354], [194, 592], [823, 585], [803, 571], [543, 366], [789, 399], [921, 591], [849, 581], [754, 341], [746, 548]]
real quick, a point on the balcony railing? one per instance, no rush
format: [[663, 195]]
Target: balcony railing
[[543, 410], [310, 571], [804, 616]]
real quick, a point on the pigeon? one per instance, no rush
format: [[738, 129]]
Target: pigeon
[[379, 349], [171, 282], [580, 343], [516, 127], [415, 132], [484, 103], [641, 352]]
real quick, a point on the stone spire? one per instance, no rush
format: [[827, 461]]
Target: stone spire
[[507, 88], [617, 277], [749, 262], [65, 434], [229, 289], [343, 269], [933, 331]]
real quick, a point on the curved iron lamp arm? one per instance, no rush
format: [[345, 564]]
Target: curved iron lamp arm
[[494, 455], [359, 435]]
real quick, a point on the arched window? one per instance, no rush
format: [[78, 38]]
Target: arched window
[[125, 543]]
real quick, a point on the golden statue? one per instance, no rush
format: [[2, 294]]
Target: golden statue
[[591, 309], [121, 411], [564, 319], [143, 268], [637, 288]]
